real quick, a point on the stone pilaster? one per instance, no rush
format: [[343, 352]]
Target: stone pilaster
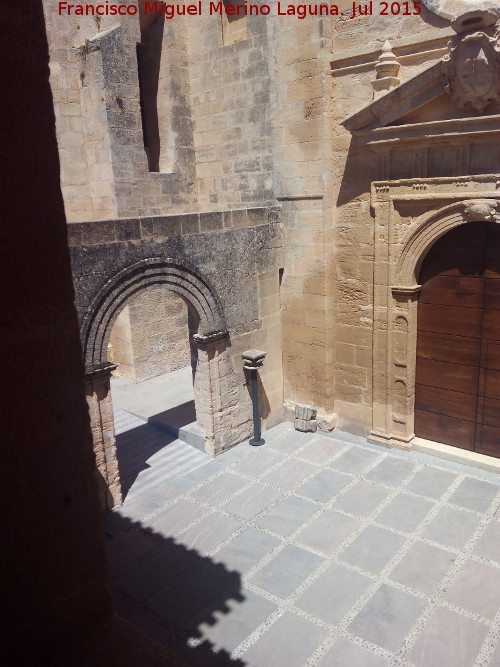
[[98, 394]]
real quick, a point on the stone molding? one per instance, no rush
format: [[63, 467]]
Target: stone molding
[[406, 48], [400, 247], [429, 228]]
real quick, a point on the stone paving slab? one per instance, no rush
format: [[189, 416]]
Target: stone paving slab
[[422, 568], [387, 618], [448, 639], [288, 643], [315, 551]]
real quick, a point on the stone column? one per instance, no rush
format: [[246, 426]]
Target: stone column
[[252, 361], [98, 394]]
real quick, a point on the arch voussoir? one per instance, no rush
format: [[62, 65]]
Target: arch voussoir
[[123, 285]]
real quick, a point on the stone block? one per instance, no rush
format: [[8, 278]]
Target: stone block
[[305, 416]]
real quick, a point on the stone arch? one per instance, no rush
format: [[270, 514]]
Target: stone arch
[[429, 228], [116, 291], [212, 340], [396, 301]]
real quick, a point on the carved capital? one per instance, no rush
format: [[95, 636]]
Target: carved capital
[[102, 372], [206, 339], [405, 291], [253, 359]]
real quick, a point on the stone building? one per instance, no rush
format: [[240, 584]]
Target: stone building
[[320, 185]]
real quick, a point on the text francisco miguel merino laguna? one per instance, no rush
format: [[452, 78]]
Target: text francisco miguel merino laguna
[[244, 9]]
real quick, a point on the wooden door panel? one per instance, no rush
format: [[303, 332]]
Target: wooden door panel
[[450, 320], [453, 291], [456, 377], [493, 235], [492, 294], [491, 324], [457, 394], [488, 441], [454, 349], [445, 402], [449, 431], [454, 261], [491, 384], [490, 355], [491, 412], [465, 237], [493, 263]]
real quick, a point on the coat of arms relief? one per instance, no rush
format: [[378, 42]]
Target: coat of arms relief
[[472, 66]]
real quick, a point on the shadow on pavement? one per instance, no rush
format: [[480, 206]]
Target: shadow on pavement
[[134, 448], [168, 590]]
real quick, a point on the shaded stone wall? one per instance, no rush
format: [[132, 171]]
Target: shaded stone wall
[[53, 563]]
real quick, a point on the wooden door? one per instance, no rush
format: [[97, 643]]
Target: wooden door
[[457, 396]]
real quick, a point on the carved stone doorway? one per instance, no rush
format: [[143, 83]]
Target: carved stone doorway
[[410, 217]]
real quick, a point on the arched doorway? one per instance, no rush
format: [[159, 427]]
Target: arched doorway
[[155, 363], [207, 331], [457, 392]]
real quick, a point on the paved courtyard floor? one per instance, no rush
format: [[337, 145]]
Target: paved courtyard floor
[[311, 550]]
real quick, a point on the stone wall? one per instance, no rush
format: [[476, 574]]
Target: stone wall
[[301, 150], [417, 41], [211, 150], [231, 106], [150, 336]]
